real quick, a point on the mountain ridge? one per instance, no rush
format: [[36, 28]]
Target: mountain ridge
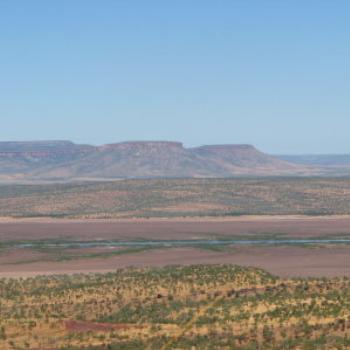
[[66, 161]]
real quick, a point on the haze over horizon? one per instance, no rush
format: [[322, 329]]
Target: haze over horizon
[[271, 74]]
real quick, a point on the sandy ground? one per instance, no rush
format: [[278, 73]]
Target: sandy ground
[[293, 226], [284, 261], [280, 260]]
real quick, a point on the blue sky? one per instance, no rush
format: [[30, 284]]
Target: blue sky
[[272, 73]]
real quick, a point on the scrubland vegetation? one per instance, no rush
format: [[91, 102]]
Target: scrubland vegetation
[[195, 307], [179, 197]]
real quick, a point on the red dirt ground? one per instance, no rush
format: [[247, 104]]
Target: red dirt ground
[[281, 260], [171, 228], [80, 326]]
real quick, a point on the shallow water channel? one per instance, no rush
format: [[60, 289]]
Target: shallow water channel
[[178, 243]]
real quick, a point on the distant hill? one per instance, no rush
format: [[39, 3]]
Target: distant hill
[[66, 161], [333, 160], [245, 159], [19, 160]]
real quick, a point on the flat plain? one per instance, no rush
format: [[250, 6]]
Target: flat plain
[[28, 247], [176, 264], [40, 223], [179, 198]]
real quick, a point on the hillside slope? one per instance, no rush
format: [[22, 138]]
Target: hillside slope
[[245, 159], [136, 160], [324, 160]]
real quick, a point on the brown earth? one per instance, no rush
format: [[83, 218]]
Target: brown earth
[[16, 255], [291, 226], [284, 261], [81, 326]]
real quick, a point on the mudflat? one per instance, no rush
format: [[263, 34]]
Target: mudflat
[[285, 261], [176, 228], [280, 260]]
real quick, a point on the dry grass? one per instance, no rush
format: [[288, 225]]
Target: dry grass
[[175, 198], [195, 307]]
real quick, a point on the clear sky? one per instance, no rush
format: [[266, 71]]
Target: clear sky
[[268, 72]]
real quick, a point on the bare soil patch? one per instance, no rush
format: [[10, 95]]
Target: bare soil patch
[[333, 260], [81, 326], [13, 256], [280, 260], [291, 226]]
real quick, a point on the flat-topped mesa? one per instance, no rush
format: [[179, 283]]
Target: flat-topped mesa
[[64, 160], [142, 145], [227, 147], [32, 146], [241, 155], [227, 150], [41, 149]]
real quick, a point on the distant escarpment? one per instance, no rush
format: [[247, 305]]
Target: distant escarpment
[[66, 161]]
